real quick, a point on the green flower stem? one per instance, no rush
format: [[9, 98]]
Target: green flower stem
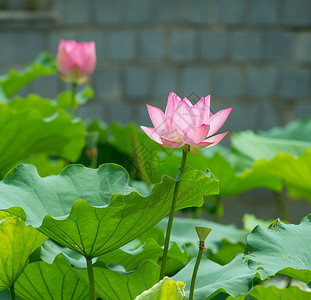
[[171, 216], [281, 205], [195, 270], [73, 94], [12, 290], [91, 278]]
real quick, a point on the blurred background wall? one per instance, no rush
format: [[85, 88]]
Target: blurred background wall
[[254, 55]]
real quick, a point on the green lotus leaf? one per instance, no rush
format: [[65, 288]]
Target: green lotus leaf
[[156, 233], [41, 280], [283, 248], [46, 165], [165, 289], [183, 232], [18, 242], [254, 147], [80, 208], [50, 250], [45, 107], [128, 259], [35, 127], [226, 253], [152, 251], [122, 285], [272, 292], [235, 278], [295, 130], [13, 81], [250, 222], [294, 171]]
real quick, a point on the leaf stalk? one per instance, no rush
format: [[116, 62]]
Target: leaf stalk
[[172, 212], [12, 290], [73, 95], [90, 272]]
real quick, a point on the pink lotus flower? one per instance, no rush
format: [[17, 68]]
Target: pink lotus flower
[[76, 61], [186, 124]]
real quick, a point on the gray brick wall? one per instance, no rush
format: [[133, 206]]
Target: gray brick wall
[[250, 54], [152, 45], [214, 44]]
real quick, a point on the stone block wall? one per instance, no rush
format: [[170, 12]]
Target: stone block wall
[[254, 55]]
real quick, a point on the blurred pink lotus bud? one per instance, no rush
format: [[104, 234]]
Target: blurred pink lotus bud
[[76, 61], [186, 124]]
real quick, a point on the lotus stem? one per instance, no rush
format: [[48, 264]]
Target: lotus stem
[[73, 94], [91, 278], [172, 212], [12, 290], [196, 268], [281, 206]]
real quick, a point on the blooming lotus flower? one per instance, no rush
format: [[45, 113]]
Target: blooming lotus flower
[[76, 61], [186, 124]]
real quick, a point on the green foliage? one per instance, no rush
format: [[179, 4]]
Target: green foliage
[[52, 281], [151, 250], [34, 127], [14, 81], [121, 285], [86, 215], [283, 248], [295, 130], [254, 147], [18, 242], [294, 171]]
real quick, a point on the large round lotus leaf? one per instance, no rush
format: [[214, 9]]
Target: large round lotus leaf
[[295, 130], [17, 242], [283, 248], [41, 280], [94, 211], [294, 171], [254, 146], [13, 81], [34, 126]]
